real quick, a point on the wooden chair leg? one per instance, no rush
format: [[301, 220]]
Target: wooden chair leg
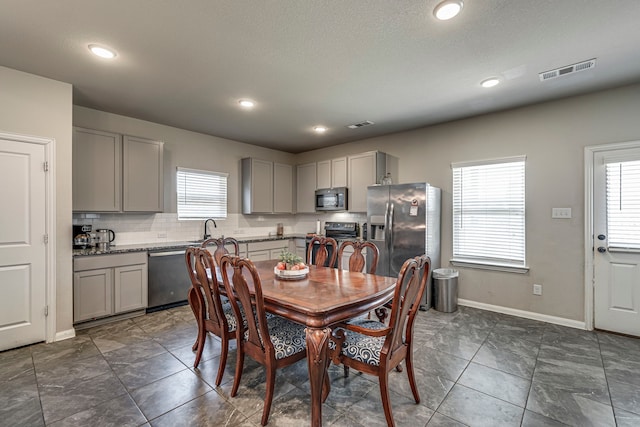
[[239, 366], [386, 401], [201, 338], [412, 378], [223, 359], [194, 303], [268, 399]]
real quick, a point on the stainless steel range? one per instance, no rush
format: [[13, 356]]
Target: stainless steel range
[[340, 231]]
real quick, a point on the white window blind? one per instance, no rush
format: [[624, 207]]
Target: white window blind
[[489, 212], [623, 204], [201, 194]]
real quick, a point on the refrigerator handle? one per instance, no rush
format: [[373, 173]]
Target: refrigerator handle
[[388, 227]]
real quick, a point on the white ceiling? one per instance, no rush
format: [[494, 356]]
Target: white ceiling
[[310, 62]]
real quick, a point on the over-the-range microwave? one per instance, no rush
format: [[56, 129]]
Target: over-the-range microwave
[[331, 199]]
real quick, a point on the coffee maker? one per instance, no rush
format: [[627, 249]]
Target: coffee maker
[[82, 236]]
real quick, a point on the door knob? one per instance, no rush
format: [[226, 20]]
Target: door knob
[[601, 237], [602, 249]]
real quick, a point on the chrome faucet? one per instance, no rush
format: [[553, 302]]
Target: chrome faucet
[[206, 236]]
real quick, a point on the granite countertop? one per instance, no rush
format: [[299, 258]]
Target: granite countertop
[[157, 246]]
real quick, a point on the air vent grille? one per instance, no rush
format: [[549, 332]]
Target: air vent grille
[[361, 124], [563, 71]]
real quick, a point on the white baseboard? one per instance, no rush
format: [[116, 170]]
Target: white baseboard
[[65, 335], [526, 314]]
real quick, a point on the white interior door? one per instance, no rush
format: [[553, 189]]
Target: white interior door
[[22, 246], [616, 214]]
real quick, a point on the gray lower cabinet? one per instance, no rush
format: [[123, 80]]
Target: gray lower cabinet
[[105, 285]]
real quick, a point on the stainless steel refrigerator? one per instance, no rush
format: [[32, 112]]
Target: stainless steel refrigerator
[[403, 221]]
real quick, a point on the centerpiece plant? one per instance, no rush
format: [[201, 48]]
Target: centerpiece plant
[[289, 261]]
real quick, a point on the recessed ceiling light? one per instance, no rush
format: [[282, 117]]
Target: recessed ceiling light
[[246, 103], [447, 9], [102, 51], [319, 129], [490, 82]]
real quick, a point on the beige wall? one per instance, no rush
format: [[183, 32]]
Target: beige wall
[[32, 105], [185, 149], [552, 136]]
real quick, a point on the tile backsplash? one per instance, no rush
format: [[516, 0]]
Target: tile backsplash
[[165, 227]]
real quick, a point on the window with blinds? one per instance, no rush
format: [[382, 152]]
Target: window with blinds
[[623, 204], [489, 212], [201, 194]]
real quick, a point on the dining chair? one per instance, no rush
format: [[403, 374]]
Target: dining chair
[[356, 260], [323, 256], [375, 348], [212, 314], [272, 341], [221, 247]]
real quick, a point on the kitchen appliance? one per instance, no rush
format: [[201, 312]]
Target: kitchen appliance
[[104, 237], [168, 280], [340, 231], [331, 199], [404, 222], [82, 236]]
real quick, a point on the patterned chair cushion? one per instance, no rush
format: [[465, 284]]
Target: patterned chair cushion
[[363, 348], [288, 337]]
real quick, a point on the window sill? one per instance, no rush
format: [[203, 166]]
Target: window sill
[[490, 266]]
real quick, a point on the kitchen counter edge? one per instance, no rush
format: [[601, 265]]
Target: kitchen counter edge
[[157, 246]]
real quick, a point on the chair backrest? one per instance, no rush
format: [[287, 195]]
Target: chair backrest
[[244, 301], [356, 260], [190, 259], [221, 249], [410, 287], [322, 257], [206, 275]]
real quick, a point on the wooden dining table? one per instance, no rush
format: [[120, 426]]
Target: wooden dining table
[[325, 297]]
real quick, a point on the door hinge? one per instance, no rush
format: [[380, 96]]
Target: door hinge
[[45, 238], [46, 310], [45, 166]]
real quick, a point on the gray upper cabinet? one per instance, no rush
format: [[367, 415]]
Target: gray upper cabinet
[[116, 173], [267, 187], [305, 190], [364, 170], [332, 173], [97, 171], [142, 175]]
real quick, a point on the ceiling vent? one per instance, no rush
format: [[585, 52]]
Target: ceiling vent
[[559, 72], [359, 125]]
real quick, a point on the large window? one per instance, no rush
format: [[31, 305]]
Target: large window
[[201, 194], [489, 213]]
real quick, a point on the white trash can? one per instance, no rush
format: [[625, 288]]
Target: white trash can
[[445, 289]]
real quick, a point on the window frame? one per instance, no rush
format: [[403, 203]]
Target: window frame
[[217, 214], [477, 260]]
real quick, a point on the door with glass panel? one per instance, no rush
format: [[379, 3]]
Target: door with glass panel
[[617, 240]]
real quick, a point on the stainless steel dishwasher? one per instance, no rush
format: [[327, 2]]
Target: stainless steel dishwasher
[[168, 280]]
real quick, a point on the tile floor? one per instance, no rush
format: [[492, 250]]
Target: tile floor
[[473, 367]]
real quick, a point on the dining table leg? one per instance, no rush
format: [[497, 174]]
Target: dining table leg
[[317, 356]]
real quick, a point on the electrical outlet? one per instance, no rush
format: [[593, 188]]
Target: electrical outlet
[[562, 213], [537, 289], [162, 235]]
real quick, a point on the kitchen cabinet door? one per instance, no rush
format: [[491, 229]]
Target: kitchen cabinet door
[[130, 287], [282, 188], [257, 186], [364, 170], [306, 188], [143, 189], [92, 294], [339, 172], [323, 174], [97, 171]]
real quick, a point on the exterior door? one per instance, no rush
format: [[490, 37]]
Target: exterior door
[[22, 244], [616, 263]]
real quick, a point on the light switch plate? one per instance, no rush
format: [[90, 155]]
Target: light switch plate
[[562, 213]]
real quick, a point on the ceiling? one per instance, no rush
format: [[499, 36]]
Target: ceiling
[[321, 62]]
